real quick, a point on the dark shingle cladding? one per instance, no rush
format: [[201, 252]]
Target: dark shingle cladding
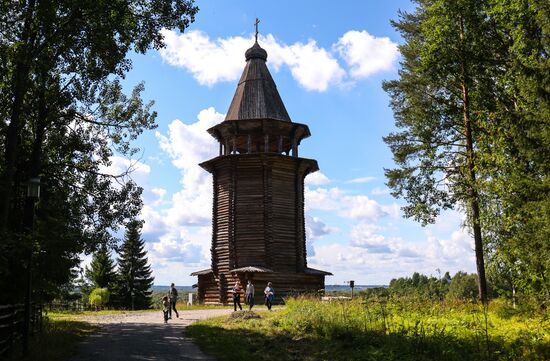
[[256, 96]]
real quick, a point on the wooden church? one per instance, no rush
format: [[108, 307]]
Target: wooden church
[[258, 226]]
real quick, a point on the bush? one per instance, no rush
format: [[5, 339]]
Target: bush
[[99, 297], [463, 287]]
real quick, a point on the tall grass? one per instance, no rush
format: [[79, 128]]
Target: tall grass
[[384, 329]]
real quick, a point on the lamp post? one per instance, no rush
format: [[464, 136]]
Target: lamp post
[[33, 194]]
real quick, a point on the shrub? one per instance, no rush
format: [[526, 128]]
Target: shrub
[[463, 287], [99, 297]]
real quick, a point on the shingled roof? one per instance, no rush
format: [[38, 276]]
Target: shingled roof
[[256, 96]]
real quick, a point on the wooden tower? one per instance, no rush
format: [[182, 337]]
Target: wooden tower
[[258, 229]]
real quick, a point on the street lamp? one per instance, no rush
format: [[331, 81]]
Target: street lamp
[[33, 188], [33, 193]]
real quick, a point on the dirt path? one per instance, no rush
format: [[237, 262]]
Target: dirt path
[[143, 336]]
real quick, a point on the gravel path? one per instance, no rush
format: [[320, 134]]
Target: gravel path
[[143, 336]]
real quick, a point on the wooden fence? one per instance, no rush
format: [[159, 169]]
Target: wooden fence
[[11, 325]]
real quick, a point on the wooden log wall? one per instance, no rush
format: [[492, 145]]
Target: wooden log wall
[[249, 212], [258, 220], [222, 221], [285, 215]]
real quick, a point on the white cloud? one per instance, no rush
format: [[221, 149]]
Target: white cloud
[[362, 207], [349, 206], [209, 61], [322, 198], [372, 258], [188, 145], [175, 251], [315, 68], [316, 178], [367, 236], [136, 170], [362, 180], [380, 191], [316, 228], [366, 54], [222, 59]]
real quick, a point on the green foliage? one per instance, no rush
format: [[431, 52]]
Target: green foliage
[[63, 117], [472, 106], [377, 329], [463, 287], [445, 83], [99, 297], [134, 278], [102, 270]]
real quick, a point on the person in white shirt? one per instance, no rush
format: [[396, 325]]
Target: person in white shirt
[[250, 295], [269, 293]]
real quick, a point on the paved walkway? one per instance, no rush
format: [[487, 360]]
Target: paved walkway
[[143, 336]]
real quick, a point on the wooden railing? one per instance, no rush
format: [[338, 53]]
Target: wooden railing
[[11, 325]]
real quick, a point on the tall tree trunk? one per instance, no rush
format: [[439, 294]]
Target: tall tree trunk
[[472, 190], [19, 88]]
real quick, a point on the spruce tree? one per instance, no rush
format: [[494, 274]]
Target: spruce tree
[[102, 270], [134, 273]]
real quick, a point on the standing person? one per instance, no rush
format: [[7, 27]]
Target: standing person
[[250, 295], [237, 295], [173, 300], [269, 293], [165, 308]]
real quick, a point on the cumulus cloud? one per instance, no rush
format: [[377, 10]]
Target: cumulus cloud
[[136, 170], [380, 191], [322, 198], [362, 207], [316, 228], [315, 68], [175, 251], [188, 145], [362, 180], [367, 236], [373, 256], [359, 207], [316, 178], [366, 54]]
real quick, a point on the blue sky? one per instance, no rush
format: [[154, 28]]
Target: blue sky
[[328, 63]]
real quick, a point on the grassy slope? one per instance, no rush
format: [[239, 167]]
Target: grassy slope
[[403, 330]]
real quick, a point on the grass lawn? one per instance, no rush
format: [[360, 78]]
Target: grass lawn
[[58, 340], [396, 330]]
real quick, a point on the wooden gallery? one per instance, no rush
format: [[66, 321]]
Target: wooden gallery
[[258, 227]]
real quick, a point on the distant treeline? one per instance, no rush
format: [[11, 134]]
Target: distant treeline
[[461, 286]]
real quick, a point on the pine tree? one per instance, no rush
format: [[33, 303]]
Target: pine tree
[[443, 94], [134, 273], [102, 270]]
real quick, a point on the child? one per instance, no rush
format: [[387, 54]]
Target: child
[[165, 308]]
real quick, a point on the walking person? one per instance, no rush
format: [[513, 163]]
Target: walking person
[[237, 295], [173, 300], [269, 293], [165, 307], [249, 295]]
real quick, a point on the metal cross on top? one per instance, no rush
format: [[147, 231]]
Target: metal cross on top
[[256, 24]]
